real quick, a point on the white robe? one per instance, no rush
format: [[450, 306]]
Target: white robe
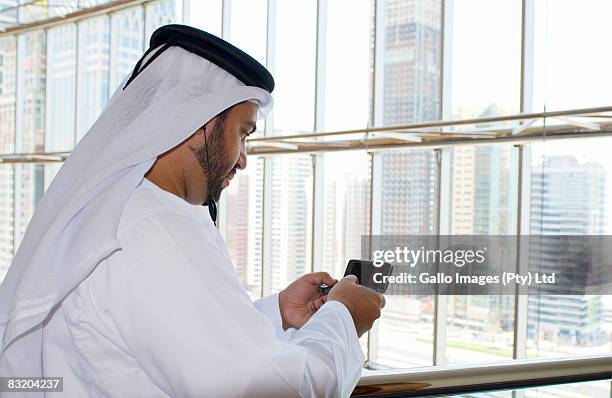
[[167, 316]]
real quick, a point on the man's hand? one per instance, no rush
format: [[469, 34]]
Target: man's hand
[[364, 304], [301, 299]]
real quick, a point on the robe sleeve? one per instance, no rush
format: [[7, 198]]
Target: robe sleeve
[[270, 308], [193, 329]]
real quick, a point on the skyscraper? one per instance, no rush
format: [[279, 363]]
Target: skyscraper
[[411, 94], [567, 198]]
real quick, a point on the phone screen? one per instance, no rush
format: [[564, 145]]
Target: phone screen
[[370, 275]]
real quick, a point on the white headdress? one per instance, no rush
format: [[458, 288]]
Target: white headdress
[[75, 223]]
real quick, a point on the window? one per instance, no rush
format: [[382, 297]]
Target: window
[[346, 78], [61, 88], [126, 44], [248, 27], [93, 72], [345, 209], [8, 69], [570, 179], [157, 14], [486, 58], [295, 75], [291, 217], [243, 212], [31, 79], [563, 81], [484, 193], [410, 93], [206, 15]]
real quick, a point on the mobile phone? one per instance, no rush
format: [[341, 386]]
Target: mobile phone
[[368, 275]]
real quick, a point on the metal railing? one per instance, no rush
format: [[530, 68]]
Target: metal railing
[[576, 123], [457, 379]]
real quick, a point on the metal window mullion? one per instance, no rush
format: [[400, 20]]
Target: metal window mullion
[[266, 281], [45, 106], [76, 84], [444, 158], [110, 54], [527, 55], [521, 299], [378, 67], [443, 204], [46, 123], [18, 139], [446, 53], [375, 157], [185, 12], [376, 176], [316, 232], [266, 236], [226, 7]]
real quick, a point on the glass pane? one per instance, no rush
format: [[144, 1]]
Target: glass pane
[[480, 328], [61, 7], [486, 68], [206, 15], [346, 209], [29, 185], [159, 13], [291, 203], [8, 14], [8, 69], [410, 84], [409, 201], [484, 189], [347, 65], [126, 44], [570, 195], [243, 201], [294, 75], [51, 170], [61, 90], [248, 27], [7, 217], [563, 76], [93, 71], [411, 61], [32, 11], [31, 88]]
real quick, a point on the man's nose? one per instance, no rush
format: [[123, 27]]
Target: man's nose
[[242, 159]]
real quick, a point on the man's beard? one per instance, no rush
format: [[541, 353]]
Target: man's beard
[[217, 167]]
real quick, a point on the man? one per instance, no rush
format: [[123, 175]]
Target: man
[[122, 288]]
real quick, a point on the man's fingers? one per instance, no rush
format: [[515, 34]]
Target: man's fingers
[[318, 278], [319, 302]]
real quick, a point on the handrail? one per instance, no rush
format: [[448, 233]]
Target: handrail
[[456, 379], [422, 135], [441, 133]]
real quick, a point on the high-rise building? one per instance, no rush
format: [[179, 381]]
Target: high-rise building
[[567, 198], [411, 94]]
